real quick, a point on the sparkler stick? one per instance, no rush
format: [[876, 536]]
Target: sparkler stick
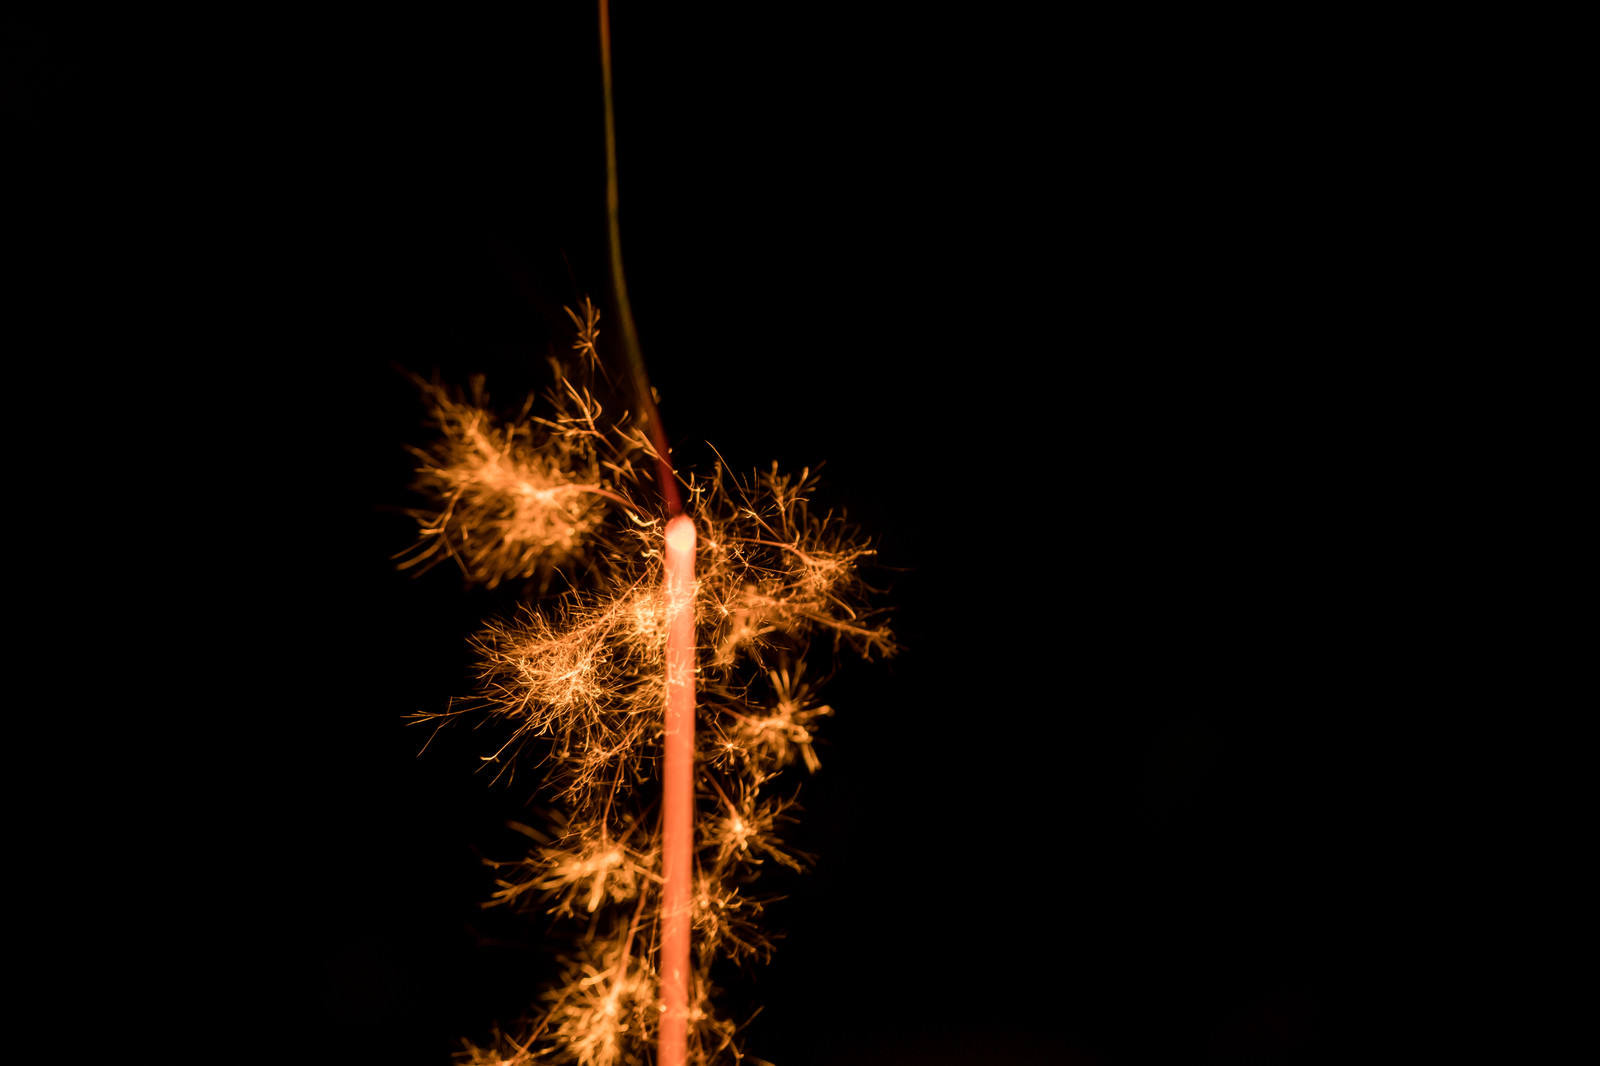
[[677, 833]]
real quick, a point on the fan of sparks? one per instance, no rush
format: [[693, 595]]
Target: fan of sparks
[[577, 684]]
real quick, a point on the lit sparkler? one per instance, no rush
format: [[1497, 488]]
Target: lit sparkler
[[646, 682], [665, 697]]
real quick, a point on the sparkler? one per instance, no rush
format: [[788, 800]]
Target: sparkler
[[665, 697], [684, 651]]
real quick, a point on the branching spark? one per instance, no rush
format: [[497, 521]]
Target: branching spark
[[515, 498]]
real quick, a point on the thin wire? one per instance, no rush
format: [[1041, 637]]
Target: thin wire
[[630, 335]]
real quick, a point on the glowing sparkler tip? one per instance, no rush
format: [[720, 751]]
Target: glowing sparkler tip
[[680, 534]]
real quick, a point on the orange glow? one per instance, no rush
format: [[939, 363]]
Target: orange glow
[[680, 540]]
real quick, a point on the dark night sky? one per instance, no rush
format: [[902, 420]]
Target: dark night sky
[[1045, 308]]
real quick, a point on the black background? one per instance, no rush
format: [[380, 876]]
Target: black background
[[1066, 313]]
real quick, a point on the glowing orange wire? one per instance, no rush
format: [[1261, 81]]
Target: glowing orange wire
[[677, 834]]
